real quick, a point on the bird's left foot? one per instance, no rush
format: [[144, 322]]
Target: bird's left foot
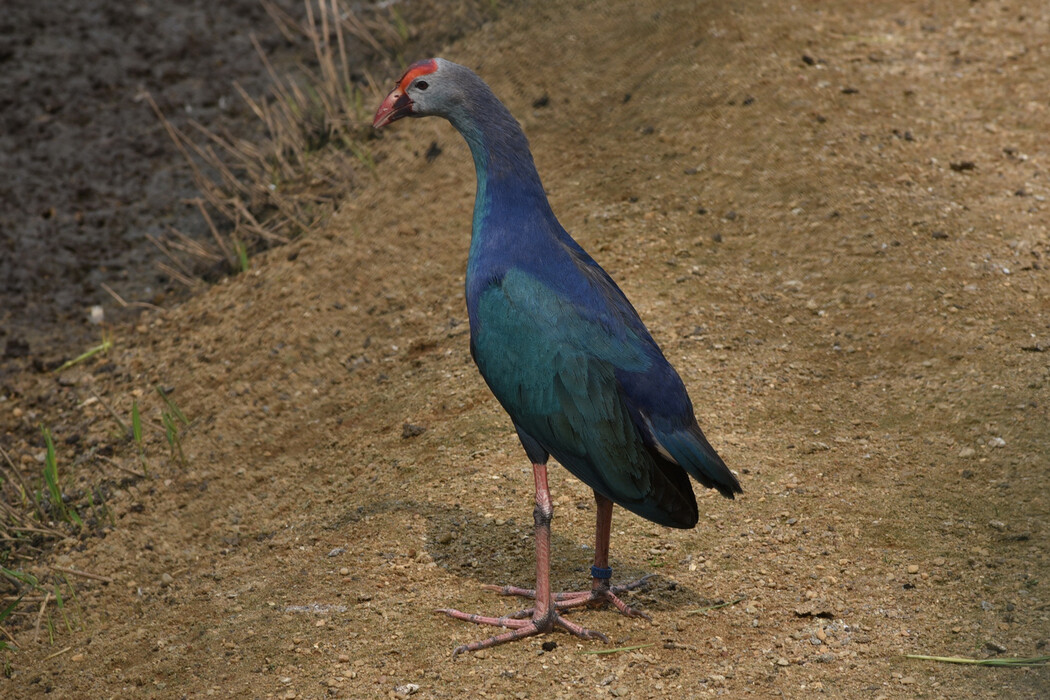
[[595, 597]]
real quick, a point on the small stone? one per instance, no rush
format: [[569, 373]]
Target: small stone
[[967, 452], [406, 689], [998, 648], [939, 561], [783, 662], [344, 571], [166, 579], [997, 442], [913, 568], [907, 680], [997, 525], [408, 430]]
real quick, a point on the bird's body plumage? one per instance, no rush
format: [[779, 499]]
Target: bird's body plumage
[[559, 344], [562, 348]]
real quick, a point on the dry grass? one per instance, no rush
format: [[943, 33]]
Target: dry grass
[[253, 194], [259, 192]]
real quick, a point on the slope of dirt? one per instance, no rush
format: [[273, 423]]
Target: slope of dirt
[[834, 221]]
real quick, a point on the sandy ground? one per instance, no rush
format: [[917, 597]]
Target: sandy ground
[[832, 218]]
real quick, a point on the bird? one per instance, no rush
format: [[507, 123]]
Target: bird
[[565, 354]]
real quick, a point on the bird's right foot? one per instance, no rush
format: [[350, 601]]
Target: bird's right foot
[[600, 594]]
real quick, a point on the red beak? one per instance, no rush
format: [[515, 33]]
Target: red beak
[[394, 107]]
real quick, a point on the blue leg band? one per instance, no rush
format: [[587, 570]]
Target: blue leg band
[[598, 572]]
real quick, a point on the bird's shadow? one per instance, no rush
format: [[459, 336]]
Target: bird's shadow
[[492, 550]]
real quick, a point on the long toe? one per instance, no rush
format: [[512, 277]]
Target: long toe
[[518, 628]]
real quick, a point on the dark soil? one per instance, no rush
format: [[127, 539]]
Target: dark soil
[[90, 170]]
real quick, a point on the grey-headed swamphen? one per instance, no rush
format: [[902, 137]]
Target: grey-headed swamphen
[[564, 352]]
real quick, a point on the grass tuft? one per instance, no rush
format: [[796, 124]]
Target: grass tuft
[[171, 419], [50, 479], [268, 190]]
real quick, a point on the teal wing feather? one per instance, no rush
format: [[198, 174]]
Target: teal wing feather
[[554, 370]]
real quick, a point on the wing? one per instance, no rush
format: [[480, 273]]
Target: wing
[[655, 395], [554, 367]]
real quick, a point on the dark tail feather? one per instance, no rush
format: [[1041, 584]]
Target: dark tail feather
[[691, 450]]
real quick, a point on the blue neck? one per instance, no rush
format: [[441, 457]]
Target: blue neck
[[511, 211]]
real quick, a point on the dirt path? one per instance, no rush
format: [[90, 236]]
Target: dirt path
[[834, 220]]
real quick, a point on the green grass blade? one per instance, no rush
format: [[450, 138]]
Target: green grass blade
[[170, 429], [618, 649], [102, 347], [1006, 661], [171, 405], [136, 423], [20, 576], [51, 475], [6, 612], [242, 255]]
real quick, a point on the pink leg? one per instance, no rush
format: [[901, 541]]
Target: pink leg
[[544, 616], [600, 592]]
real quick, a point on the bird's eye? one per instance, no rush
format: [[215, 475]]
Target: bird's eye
[[422, 85]]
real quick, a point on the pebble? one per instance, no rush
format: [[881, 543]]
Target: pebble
[[783, 662], [913, 568], [166, 579], [991, 645], [967, 452], [997, 442]]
